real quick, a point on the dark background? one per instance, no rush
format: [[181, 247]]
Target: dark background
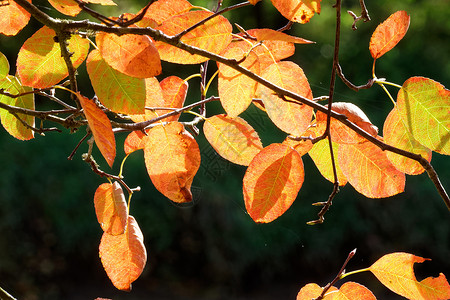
[[211, 249]]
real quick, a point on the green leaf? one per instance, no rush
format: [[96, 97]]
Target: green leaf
[[4, 66], [424, 106], [10, 122], [118, 92]]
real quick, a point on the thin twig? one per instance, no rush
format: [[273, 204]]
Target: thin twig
[[356, 88]]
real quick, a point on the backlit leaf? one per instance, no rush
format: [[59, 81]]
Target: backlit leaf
[[101, 128], [272, 181], [13, 125], [133, 142], [172, 158], [253, 2], [369, 171], [290, 117], [274, 35], [40, 64], [111, 208], [213, 36], [4, 66], [118, 92], [124, 256], [396, 134], [353, 291], [102, 2], [236, 90], [13, 18], [174, 91], [300, 11], [312, 291], [67, 7], [133, 55], [395, 271], [233, 138], [162, 10], [320, 154], [424, 106], [389, 33], [342, 134]]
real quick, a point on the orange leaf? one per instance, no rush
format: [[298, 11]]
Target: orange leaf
[[396, 134], [253, 2], [290, 117], [369, 171], [174, 91], [395, 271], [133, 142], [236, 90], [101, 128], [342, 134], [133, 55], [124, 256], [272, 181], [67, 7], [39, 63], [388, 34], [233, 138], [13, 18], [272, 50], [424, 106], [162, 10], [312, 291], [111, 208], [10, 122], [172, 174], [353, 291], [118, 92], [274, 35], [300, 11], [213, 36], [102, 2], [320, 154]]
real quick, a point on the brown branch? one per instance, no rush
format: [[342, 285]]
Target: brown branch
[[356, 88], [364, 15]]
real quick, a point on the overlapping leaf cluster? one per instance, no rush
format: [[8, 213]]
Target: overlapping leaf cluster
[[123, 67]]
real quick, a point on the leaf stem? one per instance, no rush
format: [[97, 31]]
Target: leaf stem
[[343, 275]]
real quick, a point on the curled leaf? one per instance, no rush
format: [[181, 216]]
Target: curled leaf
[[111, 208]]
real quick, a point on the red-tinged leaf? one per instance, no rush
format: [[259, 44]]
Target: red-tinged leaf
[[233, 138], [174, 91], [424, 106], [118, 92], [111, 208], [162, 10], [274, 35], [272, 50], [353, 291], [13, 18], [101, 128], [236, 90], [133, 55], [4, 66], [300, 11], [395, 271], [10, 122], [369, 171], [389, 33], [302, 146], [320, 154], [290, 117], [40, 64], [342, 134], [312, 291], [253, 2], [67, 7], [396, 134], [124, 256], [213, 36], [172, 174], [272, 181], [133, 142]]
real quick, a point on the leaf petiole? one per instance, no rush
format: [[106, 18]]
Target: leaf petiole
[[353, 272]]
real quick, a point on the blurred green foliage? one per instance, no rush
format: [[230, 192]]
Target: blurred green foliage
[[211, 248]]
